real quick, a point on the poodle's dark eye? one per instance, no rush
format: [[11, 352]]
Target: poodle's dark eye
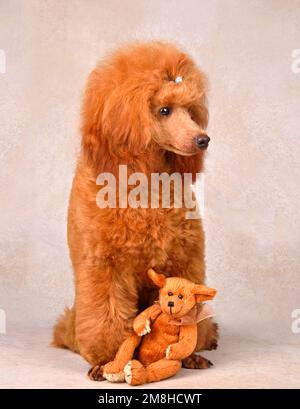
[[180, 296], [170, 293], [165, 111]]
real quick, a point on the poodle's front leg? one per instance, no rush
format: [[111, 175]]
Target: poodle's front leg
[[105, 308], [207, 339], [207, 335]]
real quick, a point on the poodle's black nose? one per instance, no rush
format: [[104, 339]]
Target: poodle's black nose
[[171, 304], [202, 141]]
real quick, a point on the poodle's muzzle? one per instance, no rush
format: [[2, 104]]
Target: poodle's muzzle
[[202, 141]]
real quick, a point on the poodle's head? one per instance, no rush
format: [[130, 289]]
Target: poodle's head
[[177, 296], [145, 96]]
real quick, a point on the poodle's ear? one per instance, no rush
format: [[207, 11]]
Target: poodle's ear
[[93, 104], [116, 119], [158, 279], [203, 293]]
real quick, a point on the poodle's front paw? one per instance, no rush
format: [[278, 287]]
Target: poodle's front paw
[[196, 362], [96, 373], [142, 328], [135, 373]]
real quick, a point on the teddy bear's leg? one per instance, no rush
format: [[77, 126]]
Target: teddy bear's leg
[[137, 374], [162, 369], [114, 370]]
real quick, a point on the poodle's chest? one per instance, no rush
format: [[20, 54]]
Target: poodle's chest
[[144, 232], [136, 239]]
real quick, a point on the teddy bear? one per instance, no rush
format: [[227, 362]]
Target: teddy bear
[[164, 334]]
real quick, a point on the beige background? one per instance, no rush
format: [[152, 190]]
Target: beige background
[[252, 191]]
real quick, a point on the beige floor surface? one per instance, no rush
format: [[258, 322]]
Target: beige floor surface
[[28, 362]]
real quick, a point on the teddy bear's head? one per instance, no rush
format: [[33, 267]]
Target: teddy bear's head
[[177, 296]]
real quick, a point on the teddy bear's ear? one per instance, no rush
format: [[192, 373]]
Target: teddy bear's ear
[[203, 293], [158, 279]]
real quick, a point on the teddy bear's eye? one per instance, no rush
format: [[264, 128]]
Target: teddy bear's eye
[[170, 293], [180, 296]]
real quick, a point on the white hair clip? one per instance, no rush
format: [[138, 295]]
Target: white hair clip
[[178, 80]]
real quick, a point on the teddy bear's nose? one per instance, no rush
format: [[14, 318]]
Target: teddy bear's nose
[[171, 304]]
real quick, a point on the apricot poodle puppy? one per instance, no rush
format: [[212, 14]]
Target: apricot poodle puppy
[[144, 107]]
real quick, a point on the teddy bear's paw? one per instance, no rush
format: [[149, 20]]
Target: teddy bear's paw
[[196, 362], [171, 352], [146, 329], [113, 372], [127, 372], [168, 351], [135, 373], [114, 377], [96, 373]]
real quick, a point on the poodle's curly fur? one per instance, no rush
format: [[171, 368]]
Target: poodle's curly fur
[[112, 249]]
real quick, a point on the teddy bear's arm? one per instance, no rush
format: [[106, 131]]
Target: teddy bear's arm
[[142, 323], [186, 344]]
